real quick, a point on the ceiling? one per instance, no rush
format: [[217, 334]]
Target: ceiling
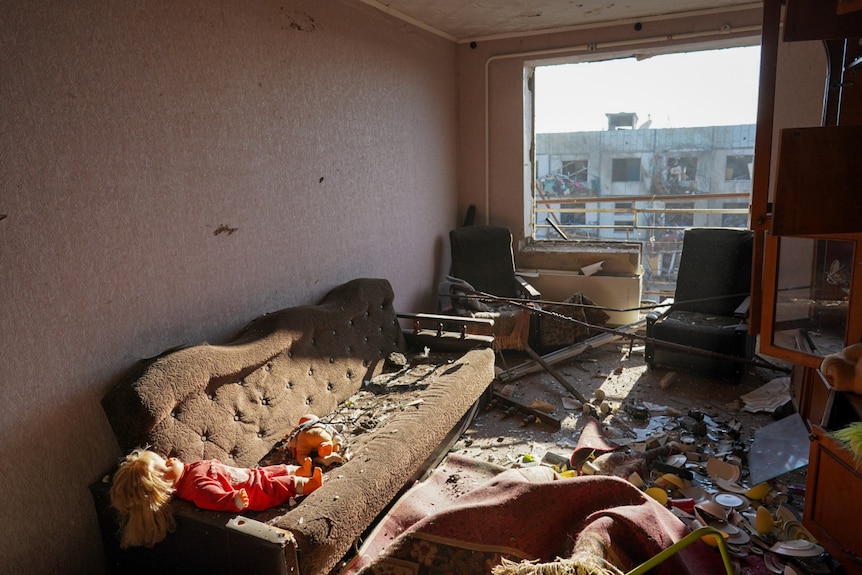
[[461, 20]]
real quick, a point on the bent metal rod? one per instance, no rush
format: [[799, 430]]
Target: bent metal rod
[[630, 336]]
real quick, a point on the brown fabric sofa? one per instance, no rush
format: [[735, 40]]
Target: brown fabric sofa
[[237, 401]]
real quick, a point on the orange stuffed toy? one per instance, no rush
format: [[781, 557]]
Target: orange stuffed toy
[[844, 370], [313, 435]]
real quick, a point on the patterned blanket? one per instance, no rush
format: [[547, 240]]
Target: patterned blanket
[[525, 517]]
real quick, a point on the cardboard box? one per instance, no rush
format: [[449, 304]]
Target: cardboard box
[[615, 292]]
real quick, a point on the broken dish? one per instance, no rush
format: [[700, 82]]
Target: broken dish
[[711, 510], [741, 538], [797, 548], [795, 530], [785, 514], [735, 535], [718, 469], [731, 500], [677, 460], [731, 486]]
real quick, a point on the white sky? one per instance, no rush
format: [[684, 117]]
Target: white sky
[[712, 88]]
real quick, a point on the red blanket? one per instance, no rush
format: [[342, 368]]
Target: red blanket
[[518, 518]]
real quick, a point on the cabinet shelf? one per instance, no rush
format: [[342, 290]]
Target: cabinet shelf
[[807, 290]]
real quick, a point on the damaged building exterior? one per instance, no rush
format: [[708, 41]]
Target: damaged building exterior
[[644, 185]]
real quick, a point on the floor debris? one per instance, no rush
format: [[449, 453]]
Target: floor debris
[[686, 439]]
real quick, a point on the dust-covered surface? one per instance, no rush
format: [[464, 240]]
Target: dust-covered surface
[[693, 419], [397, 389], [641, 409], [632, 402]]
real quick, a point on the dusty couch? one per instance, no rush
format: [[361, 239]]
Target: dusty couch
[[236, 402]]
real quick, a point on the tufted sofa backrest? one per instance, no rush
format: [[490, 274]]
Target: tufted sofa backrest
[[234, 402]]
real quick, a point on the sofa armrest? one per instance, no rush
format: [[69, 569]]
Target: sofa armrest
[[446, 333]]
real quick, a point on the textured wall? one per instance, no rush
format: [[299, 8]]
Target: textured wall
[[170, 170]]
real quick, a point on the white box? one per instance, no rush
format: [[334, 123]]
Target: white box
[[615, 292]]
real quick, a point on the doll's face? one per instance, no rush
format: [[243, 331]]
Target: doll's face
[[174, 469], [171, 468]]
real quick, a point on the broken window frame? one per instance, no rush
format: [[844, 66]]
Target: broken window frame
[[704, 180], [626, 170], [738, 167]]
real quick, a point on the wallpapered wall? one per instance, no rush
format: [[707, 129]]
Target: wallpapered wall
[[171, 170]]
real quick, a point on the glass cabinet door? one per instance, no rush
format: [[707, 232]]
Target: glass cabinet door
[[807, 297]]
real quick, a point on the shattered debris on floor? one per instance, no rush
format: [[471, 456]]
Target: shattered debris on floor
[[685, 439]]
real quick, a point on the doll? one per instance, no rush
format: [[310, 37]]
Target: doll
[[312, 435], [844, 370], [145, 482]]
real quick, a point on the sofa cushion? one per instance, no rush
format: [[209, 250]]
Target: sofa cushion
[[328, 522], [234, 401]]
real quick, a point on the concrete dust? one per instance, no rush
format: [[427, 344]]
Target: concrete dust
[[622, 382]]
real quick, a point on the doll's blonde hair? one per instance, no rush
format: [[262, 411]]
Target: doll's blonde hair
[[140, 493]]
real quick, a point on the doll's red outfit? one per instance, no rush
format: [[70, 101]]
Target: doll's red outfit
[[213, 485]]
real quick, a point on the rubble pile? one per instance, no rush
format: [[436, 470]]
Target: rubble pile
[[695, 462]]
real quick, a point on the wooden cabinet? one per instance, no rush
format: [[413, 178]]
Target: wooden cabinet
[[833, 504], [807, 210], [807, 283], [833, 495], [812, 162]]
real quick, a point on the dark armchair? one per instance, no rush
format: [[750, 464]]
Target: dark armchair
[[483, 260], [709, 310]]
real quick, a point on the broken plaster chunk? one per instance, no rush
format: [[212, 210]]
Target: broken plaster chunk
[[542, 406], [667, 380], [508, 390]]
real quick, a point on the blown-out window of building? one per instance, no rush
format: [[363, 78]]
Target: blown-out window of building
[[576, 170], [626, 170], [738, 167], [639, 146]]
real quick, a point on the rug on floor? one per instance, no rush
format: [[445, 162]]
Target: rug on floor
[[471, 516]]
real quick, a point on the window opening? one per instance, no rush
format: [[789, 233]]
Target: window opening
[[738, 167], [617, 141], [576, 170], [679, 176], [626, 170]]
